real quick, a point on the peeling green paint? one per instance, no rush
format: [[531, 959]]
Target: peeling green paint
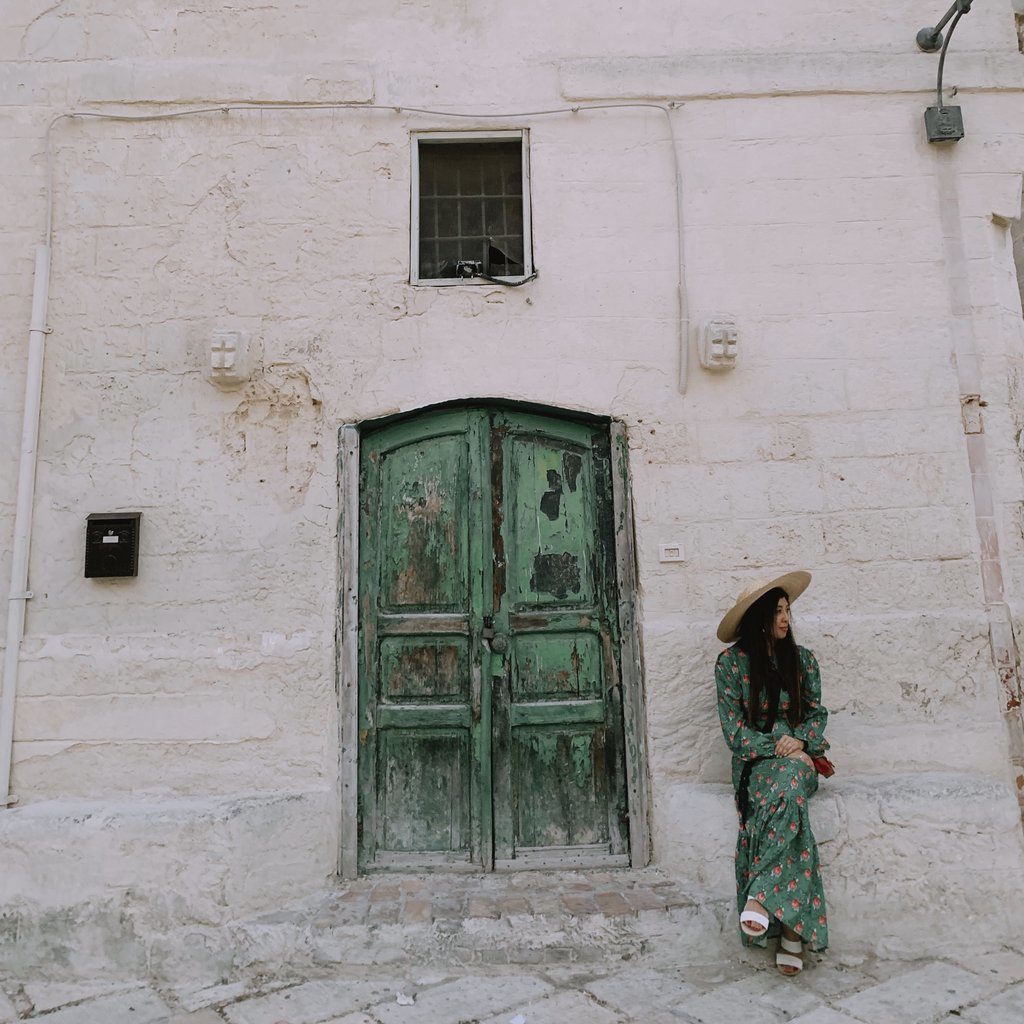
[[488, 647], [545, 746], [582, 760]]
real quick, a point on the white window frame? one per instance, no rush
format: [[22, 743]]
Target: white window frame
[[523, 134]]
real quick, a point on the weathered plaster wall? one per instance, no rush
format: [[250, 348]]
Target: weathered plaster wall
[[811, 214]]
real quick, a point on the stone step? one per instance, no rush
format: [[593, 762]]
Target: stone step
[[533, 918]]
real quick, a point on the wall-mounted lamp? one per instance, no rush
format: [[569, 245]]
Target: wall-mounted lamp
[[942, 123]]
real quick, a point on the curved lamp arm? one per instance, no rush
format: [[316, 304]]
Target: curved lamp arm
[[944, 124], [930, 39]]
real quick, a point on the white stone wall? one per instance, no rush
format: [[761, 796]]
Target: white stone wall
[[811, 213]]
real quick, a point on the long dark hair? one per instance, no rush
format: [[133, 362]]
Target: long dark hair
[[757, 641]]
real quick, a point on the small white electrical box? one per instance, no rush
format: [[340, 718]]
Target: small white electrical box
[[671, 553], [228, 363], [718, 342]]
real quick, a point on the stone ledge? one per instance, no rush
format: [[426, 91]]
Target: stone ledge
[[733, 75], [184, 81], [88, 884], [907, 858], [910, 860]]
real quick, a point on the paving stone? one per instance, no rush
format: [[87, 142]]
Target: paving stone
[[575, 976], [830, 981], [514, 905], [312, 1002], [705, 977], [198, 1017], [351, 1018], [1005, 1008], [417, 911], [432, 977], [214, 995], [579, 904], [917, 996], [613, 904], [7, 1009], [641, 987], [449, 909], [466, 998], [674, 900], [139, 1006], [823, 1015], [46, 996], [640, 899], [482, 906], [1006, 967], [782, 993], [383, 913], [886, 968], [563, 1008], [761, 998], [545, 903]]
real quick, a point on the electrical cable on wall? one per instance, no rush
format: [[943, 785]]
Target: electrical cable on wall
[[19, 594], [682, 324]]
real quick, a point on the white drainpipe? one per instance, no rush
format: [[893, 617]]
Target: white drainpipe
[[19, 594]]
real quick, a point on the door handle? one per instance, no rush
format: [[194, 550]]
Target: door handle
[[499, 644]]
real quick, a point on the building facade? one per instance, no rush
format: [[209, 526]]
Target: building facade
[[462, 362]]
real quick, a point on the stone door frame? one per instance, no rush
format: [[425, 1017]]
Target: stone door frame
[[347, 646]]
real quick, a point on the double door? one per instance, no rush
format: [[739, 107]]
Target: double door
[[490, 703]]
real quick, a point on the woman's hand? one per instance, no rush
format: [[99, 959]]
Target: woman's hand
[[801, 755], [787, 746]]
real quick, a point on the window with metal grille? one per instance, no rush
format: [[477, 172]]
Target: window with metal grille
[[470, 208]]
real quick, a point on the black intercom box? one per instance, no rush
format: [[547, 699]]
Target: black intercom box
[[112, 544]]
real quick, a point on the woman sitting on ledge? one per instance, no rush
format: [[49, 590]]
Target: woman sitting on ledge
[[769, 703]]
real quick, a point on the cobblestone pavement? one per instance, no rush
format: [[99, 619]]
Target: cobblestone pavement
[[988, 990], [601, 948]]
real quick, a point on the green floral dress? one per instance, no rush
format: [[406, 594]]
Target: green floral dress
[[776, 855]]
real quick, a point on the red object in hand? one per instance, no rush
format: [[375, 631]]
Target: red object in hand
[[824, 766]]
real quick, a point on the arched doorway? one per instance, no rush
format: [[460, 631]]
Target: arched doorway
[[494, 726]]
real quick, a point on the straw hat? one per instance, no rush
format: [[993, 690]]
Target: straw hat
[[793, 583]]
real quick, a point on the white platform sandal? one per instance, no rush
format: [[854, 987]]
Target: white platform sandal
[[788, 955], [753, 917]]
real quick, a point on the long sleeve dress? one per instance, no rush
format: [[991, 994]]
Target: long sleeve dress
[[776, 855]]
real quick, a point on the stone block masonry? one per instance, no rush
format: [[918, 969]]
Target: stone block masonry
[[177, 735]]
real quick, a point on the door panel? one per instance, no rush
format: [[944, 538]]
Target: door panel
[[490, 717], [549, 512], [557, 666], [558, 770], [562, 769], [420, 673], [424, 670], [424, 487], [425, 790]]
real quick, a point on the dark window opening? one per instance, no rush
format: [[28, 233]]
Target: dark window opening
[[471, 208]]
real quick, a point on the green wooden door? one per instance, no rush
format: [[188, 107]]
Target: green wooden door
[[490, 710]]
